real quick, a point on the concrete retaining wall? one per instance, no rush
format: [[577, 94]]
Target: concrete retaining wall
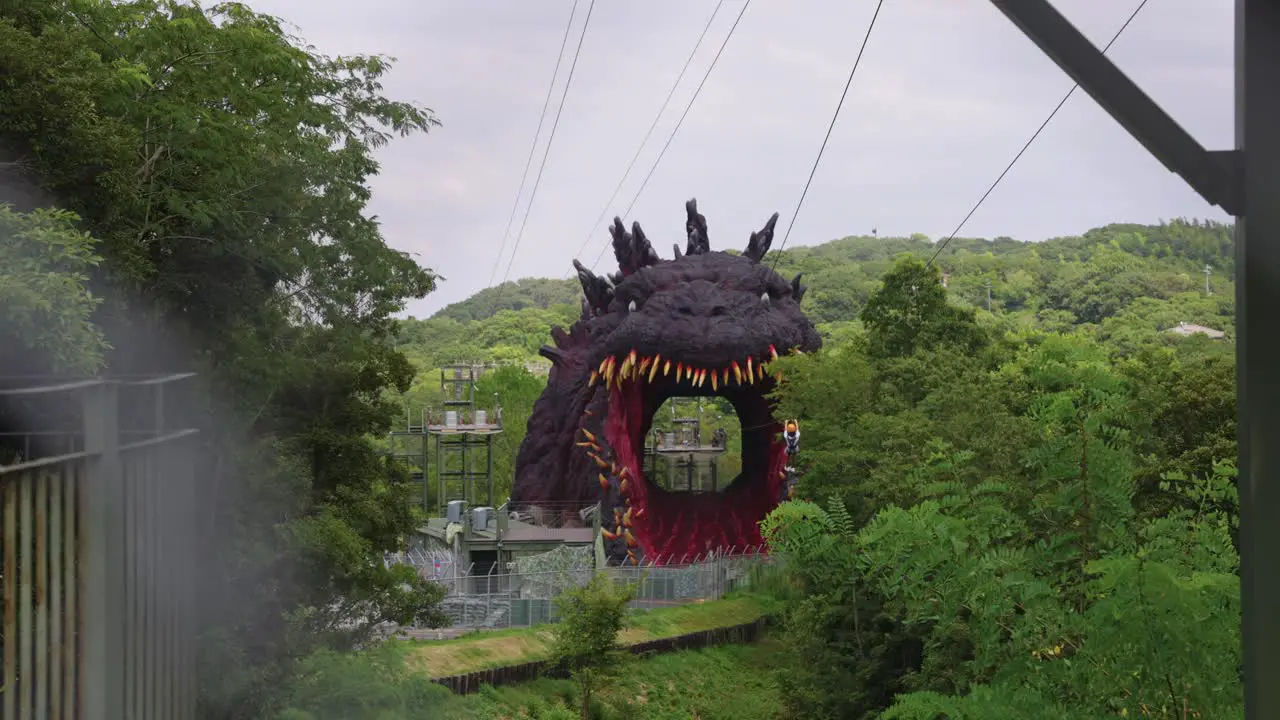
[[523, 672]]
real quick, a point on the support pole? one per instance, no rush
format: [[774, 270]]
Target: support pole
[[102, 512], [468, 469], [441, 469], [1258, 348], [426, 468], [488, 465]]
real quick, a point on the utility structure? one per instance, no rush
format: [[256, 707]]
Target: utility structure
[[676, 457], [1243, 181], [457, 439], [1208, 270]]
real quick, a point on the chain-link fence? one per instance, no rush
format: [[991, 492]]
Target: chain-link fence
[[526, 594]]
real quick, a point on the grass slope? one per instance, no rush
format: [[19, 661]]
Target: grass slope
[[732, 682], [488, 649]]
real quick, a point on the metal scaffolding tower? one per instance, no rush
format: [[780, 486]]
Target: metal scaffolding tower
[[457, 439], [675, 457]]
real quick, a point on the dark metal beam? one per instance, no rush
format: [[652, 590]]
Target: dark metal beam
[[1258, 348], [1170, 144]]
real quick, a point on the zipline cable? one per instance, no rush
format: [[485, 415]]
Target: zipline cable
[[870, 26], [679, 122], [679, 78], [942, 246], [545, 152], [524, 177]]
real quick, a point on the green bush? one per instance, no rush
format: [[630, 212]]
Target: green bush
[[373, 685]]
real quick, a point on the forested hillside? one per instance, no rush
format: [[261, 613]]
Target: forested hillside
[[1109, 281]]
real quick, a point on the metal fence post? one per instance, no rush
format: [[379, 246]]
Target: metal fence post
[[102, 543]]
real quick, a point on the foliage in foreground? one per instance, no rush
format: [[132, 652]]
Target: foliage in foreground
[[730, 681], [389, 681], [45, 305], [986, 544], [586, 638], [370, 684], [222, 168]]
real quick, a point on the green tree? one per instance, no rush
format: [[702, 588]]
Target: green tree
[[223, 168], [1034, 592], [47, 306], [1183, 405], [910, 312], [586, 638], [840, 661], [517, 389]]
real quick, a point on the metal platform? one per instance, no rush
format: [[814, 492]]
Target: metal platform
[[469, 429]]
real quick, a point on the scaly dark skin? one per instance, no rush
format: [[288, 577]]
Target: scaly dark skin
[[706, 323]]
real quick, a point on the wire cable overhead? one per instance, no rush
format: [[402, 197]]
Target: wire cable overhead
[[546, 152], [834, 116], [679, 122], [524, 176], [630, 166], [942, 246]]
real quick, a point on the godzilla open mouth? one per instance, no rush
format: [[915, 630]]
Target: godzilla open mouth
[[659, 525]]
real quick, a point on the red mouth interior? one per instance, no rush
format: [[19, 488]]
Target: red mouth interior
[[669, 526]]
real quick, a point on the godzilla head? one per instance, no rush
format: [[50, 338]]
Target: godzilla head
[[706, 323]]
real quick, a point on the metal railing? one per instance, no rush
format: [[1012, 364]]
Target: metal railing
[[98, 587]]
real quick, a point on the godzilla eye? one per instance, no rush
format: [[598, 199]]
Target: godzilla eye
[[631, 306], [764, 298]]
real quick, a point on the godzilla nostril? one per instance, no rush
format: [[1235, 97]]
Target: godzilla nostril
[[718, 310], [686, 310]]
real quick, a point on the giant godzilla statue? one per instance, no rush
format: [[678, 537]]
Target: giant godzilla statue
[[705, 323]]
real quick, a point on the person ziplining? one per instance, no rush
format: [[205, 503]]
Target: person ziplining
[[791, 436]]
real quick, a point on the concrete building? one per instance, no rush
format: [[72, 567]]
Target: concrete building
[[1188, 329]]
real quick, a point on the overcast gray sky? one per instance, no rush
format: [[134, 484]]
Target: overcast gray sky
[[946, 94]]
